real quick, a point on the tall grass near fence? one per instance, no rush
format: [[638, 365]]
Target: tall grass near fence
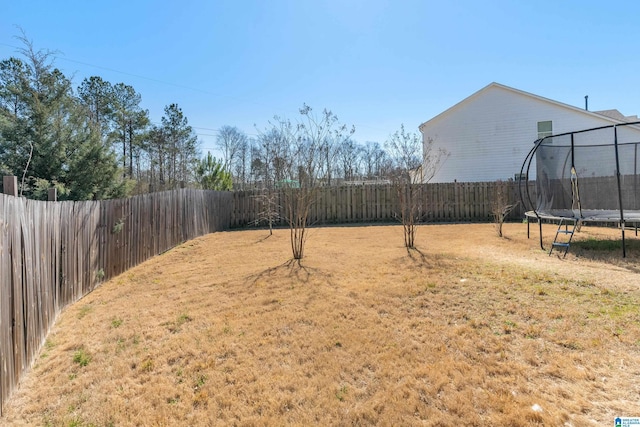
[[53, 253], [445, 202]]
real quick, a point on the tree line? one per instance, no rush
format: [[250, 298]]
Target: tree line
[[92, 142], [279, 153], [96, 141]]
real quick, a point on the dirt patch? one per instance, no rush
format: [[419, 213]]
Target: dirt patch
[[469, 329]]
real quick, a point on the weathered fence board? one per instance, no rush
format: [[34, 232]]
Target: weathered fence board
[[53, 253]]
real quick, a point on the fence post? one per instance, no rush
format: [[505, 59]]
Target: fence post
[[52, 194], [10, 185]]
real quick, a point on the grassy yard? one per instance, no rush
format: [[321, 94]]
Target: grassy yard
[[470, 330]]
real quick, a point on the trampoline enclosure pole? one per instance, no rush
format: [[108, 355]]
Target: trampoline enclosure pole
[[615, 144], [540, 225]]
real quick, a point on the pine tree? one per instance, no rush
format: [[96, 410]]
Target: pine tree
[[47, 137], [212, 175]]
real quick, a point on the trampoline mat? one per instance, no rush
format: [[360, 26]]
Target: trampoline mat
[[588, 215]]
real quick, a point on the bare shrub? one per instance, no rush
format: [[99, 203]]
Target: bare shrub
[[299, 164], [415, 163], [269, 208], [501, 204], [298, 203]]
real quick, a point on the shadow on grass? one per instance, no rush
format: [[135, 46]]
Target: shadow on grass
[[262, 239], [293, 269], [419, 259], [605, 245], [609, 250], [417, 255]]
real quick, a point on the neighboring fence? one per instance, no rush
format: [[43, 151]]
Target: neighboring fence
[[53, 253], [448, 202]]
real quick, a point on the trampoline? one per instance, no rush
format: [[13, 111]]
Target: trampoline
[[591, 175]]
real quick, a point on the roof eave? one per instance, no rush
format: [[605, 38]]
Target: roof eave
[[530, 95]]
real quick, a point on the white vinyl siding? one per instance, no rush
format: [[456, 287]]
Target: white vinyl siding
[[489, 134]]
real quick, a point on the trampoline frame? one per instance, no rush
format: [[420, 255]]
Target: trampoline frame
[[593, 215]]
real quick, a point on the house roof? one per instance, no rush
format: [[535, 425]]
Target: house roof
[[613, 116]]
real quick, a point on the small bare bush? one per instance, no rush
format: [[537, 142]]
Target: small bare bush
[[415, 163], [501, 204], [269, 208], [299, 166]]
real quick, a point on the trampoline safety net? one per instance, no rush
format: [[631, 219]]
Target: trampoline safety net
[[590, 174]]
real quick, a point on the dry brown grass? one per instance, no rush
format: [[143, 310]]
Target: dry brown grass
[[472, 330]]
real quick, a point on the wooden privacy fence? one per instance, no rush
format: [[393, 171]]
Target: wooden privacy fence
[[447, 202], [53, 253]]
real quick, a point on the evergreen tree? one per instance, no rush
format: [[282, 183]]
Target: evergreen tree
[[212, 175], [180, 143], [47, 137], [98, 97], [129, 120], [14, 147]]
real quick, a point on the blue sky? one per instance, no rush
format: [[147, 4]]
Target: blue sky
[[375, 63]]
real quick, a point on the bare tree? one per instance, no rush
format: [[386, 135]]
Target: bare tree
[[26, 168], [230, 142], [377, 163], [415, 162], [295, 156], [501, 204], [349, 157], [271, 158], [269, 208], [241, 162]]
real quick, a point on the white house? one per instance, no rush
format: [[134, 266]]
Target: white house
[[489, 134]]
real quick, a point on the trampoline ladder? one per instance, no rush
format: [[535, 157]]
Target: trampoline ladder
[[564, 235]]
